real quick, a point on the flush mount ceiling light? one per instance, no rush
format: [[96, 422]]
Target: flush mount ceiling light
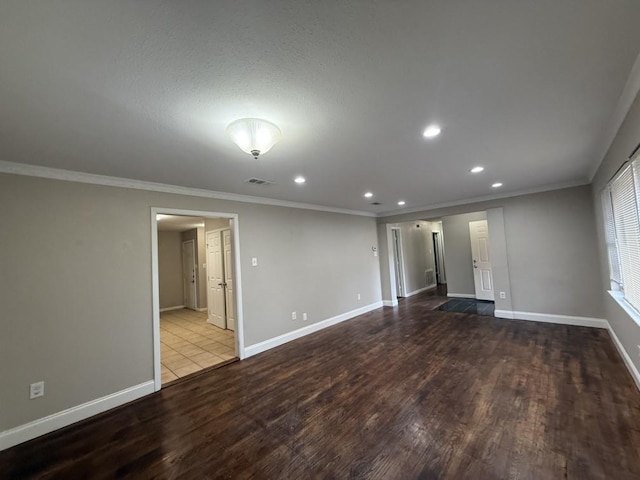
[[253, 135], [431, 131], [300, 180], [477, 169], [497, 185], [402, 203], [368, 195]]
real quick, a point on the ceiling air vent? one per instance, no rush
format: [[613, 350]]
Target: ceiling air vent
[[376, 203], [259, 181]]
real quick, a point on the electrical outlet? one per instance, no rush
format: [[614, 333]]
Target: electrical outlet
[[358, 296], [294, 315], [503, 295], [254, 261], [304, 317], [36, 390]]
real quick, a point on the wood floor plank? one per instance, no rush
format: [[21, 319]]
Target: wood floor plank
[[405, 392]]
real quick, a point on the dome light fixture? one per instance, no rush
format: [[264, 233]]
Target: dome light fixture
[[254, 135], [432, 131]]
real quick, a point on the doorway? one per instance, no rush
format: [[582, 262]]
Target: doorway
[[189, 274], [398, 261], [438, 257], [185, 342]]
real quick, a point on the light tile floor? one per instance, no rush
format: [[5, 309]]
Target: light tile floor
[[188, 343]]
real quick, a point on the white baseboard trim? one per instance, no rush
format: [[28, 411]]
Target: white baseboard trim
[[177, 307], [31, 430], [625, 356], [203, 309], [461, 295], [301, 332], [552, 318], [390, 303], [420, 290]]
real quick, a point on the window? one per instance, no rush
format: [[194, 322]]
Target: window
[[621, 202]]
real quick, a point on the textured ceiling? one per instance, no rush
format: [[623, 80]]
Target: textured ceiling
[[145, 89]]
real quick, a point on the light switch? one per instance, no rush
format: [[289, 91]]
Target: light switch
[[254, 261]]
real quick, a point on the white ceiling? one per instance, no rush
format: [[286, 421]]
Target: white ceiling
[[144, 90], [178, 223]]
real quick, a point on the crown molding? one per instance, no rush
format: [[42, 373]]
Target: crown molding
[[104, 180], [625, 101], [486, 198]]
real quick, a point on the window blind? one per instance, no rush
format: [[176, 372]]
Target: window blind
[[624, 201], [610, 238]]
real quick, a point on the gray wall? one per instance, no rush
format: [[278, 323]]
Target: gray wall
[[88, 331], [197, 235], [626, 329], [499, 259], [457, 248], [170, 269], [550, 239]]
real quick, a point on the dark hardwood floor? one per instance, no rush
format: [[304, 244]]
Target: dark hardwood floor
[[398, 393]]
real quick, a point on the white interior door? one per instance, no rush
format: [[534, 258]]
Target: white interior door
[[215, 280], [482, 275], [228, 279], [189, 274]]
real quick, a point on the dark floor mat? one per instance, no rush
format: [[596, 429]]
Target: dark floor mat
[[469, 305]]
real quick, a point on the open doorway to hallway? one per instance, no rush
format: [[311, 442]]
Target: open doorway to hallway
[[196, 294]]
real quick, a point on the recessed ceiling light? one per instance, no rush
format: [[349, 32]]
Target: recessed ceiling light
[[401, 203], [300, 180], [368, 195], [477, 169], [497, 185], [432, 131]]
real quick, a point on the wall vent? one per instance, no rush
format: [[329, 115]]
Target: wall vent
[[430, 277], [259, 181]]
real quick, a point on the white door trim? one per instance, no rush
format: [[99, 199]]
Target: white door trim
[[155, 291]]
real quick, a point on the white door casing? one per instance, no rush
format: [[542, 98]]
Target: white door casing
[[482, 274], [227, 246], [155, 284], [189, 274], [215, 280]]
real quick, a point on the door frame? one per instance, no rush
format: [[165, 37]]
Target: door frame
[[195, 273], [155, 289]]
